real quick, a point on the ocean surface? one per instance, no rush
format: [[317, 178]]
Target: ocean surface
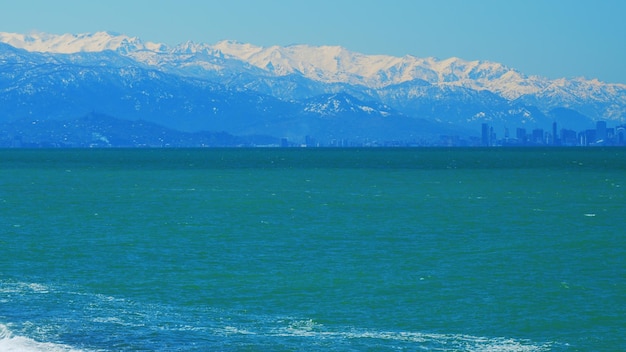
[[313, 249]]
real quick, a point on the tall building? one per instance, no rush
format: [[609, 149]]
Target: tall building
[[310, 141], [601, 131], [520, 134], [538, 136], [587, 137], [621, 135], [568, 137], [485, 135]]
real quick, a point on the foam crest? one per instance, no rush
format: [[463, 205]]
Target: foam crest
[[89, 314], [9, 343], [433, 342], [23, 287]]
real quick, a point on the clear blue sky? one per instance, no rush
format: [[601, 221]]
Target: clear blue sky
[[552, 38]]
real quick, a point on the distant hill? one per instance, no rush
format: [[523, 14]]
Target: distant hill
[[96, 130]]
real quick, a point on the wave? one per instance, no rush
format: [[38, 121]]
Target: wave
[[427, 341], [111, 323], [22, 287], [10, 342]]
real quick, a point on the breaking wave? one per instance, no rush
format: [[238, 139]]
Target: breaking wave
[[10, 342], [128, 324]]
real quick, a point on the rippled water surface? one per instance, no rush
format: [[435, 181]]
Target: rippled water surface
[[313, 249]]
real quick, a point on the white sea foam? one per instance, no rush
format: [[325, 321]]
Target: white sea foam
[[10, 342], [108, 312], [433, 342], [38, 288], [23, 287], [231, 330]]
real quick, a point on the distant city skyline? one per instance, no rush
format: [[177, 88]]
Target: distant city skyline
[[554, 38], [602, 135]]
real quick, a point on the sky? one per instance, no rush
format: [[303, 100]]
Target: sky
[[551, 38]]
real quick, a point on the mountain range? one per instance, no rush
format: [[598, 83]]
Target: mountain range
[[254, 94]]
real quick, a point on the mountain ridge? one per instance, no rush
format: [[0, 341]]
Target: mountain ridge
[[333, 64], [446, 70], [276, 86]]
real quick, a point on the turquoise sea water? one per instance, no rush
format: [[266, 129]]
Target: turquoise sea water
[[313, 250]]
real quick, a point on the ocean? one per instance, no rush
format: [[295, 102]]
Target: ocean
[[296, 249]]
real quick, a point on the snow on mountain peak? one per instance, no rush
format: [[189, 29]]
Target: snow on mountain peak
[[333, 104], [191, 48], [73, 43], [325, 64], [336, 64], [240, 50]]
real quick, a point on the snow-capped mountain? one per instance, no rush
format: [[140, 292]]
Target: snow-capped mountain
[[70, 43], [243, 88], [336, 104], [330, 64], [333, 64]]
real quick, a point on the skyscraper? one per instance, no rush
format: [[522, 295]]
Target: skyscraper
[[520, 134], [600, 131], [538, 136], [485, 135]]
